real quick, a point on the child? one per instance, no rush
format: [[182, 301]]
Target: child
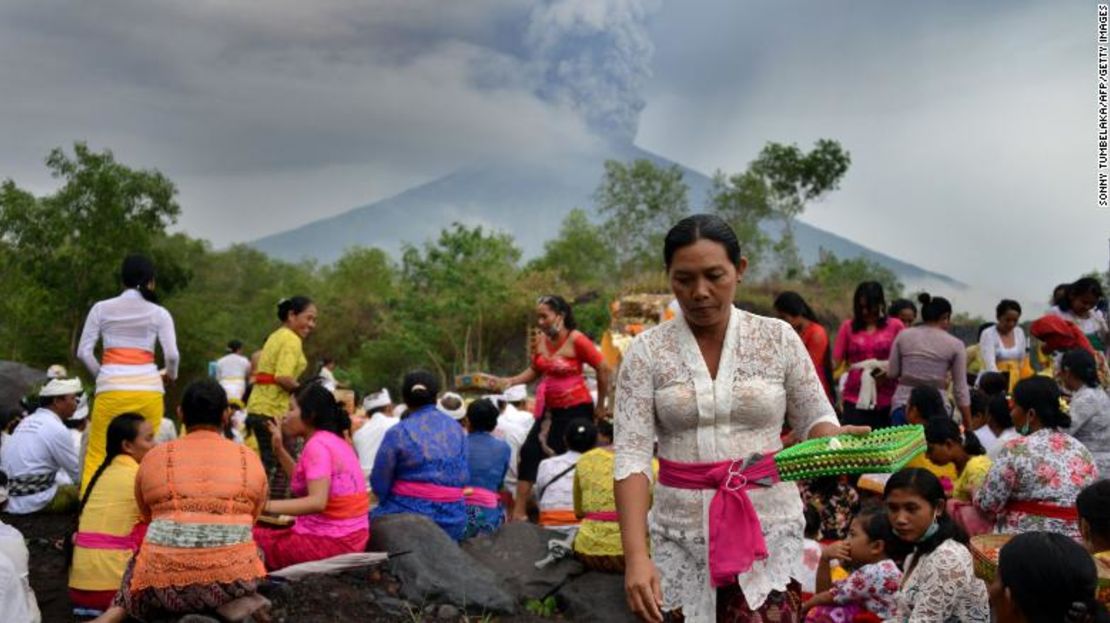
[[873, 585]]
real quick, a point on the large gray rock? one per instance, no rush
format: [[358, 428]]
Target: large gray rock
[[512, 553], [436, 570], [16, 380], [595, 597]]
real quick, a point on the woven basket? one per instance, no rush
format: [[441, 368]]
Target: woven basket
[[984, 554], [886, 450]]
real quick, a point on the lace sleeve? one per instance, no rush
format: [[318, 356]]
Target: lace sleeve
[[947, 590], [634, 413], [806, 401]]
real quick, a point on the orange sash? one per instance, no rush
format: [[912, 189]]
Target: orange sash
[[558, 518], [127, 356], [347, 506]]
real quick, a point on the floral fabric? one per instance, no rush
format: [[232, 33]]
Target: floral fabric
[[836, 510], [1048, 466], [765, 378]]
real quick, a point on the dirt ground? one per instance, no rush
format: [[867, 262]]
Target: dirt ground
[[365, 596]]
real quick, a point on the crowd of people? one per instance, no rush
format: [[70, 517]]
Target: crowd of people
[[669, 478]]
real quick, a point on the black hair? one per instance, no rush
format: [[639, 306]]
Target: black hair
[[929, 403], [1042, 395], [933, 308], [1082, 364], [419, 388], [123, 427], [45, 402], [926, 485], [560, 306], [701, 227], [868, 294], [1093, 504], [939, 430], [1081, 287], [876, 525], [581, 435], [234, 346], [326, 359], [605, 428], [482, 415], [292, 305], [203, 403], [898, 305], [1007, 305], [1059, 293], [1050, 578], [792, 304], [321, 410], [998, 410], [813, 523], [979, 401], [994, 383], [137, 272]]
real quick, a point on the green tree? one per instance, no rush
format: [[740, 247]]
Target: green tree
[[741, 200], [780, 182], [838, 277], [640, 202], [579, 256], [67, 247]]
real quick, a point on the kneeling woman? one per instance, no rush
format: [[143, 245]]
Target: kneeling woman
[[331, 507], [109, 531]]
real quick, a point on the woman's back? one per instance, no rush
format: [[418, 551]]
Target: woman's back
[[928, 356]]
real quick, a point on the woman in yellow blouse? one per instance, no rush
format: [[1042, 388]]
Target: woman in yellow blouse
[[280, 365], [925, 404], [598, 542], [109, 530]]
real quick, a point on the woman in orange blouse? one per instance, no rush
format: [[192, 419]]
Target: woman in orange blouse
[[201, 495], [791, 307]]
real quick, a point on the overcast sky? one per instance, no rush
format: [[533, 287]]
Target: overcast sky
[[972, 129]]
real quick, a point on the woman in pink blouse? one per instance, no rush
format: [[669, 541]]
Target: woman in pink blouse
[[863, 342]]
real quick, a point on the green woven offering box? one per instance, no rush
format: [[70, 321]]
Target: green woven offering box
[[886, 450]]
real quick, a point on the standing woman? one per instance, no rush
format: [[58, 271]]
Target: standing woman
[[926, 356], [904, 310], [791, 307], [560, 353], [715, 387], [863, 342], [1080, 305], [1003, 347], [280, 365], [938, 578], [127, 379], [233, 370]]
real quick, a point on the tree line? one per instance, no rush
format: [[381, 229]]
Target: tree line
[[461, 302]]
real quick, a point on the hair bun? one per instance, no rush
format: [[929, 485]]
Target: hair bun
[[924, 298]]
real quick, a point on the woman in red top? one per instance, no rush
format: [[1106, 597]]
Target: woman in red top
[[791, 307], [558, 357]]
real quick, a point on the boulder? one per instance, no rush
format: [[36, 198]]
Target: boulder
[[512, 552], [16, 380], [436, 569], [595, 597]]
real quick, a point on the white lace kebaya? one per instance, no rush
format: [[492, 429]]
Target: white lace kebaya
[[664, 390]]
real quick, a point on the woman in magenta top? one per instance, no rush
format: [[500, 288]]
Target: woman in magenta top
[[863, 342], [558, 357], [332, 507]]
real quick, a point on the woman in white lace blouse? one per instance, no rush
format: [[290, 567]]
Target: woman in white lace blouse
[[714, 386]]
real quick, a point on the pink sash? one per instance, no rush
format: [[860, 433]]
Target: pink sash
[[735, 534], [477, 496], [610, 516], [427, 491], [100, 540]]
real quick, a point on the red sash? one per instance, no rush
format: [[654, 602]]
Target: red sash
[[1043, 509]]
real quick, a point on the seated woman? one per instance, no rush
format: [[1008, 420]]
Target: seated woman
[[488, 458], [1033, 483], [421, 466], [1093, 506], [109, 530], [201, 494], [948, 445], [598, 542], [938, 581], [924, 404], [555, 478], [332, 507], [1045, 577]]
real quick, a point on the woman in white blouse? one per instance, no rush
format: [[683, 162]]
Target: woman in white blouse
[[714, 387], [127, 378], [1002, 347]]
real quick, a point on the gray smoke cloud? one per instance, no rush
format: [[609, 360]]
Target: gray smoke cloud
[[595, 57]]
